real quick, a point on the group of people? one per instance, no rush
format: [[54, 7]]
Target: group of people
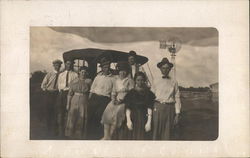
[[113, 106]]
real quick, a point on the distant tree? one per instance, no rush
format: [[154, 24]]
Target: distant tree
[[37, 77]]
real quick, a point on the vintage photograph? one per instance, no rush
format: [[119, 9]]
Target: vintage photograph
[[124, 83]]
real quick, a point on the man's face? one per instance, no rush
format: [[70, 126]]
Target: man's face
[[131, 60], [68, 65], [57, 66], [105, 68], [165, 69]]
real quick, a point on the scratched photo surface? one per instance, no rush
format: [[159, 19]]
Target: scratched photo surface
[[195, 69]]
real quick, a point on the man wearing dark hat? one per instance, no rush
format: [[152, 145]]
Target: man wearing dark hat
[[50, 88], [64, 80], [134, 66], [100, 96], [168, 105]]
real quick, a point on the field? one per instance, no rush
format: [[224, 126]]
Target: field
[[199, 118]]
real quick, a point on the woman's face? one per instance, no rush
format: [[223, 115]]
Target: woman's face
[[139, 81], [122, 74], [83, 73]]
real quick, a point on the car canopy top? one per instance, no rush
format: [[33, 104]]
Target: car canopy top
[[93, 55]]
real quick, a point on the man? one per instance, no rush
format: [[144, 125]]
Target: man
[[168, 105], [134, 67], [50, 88], [64, 80], [100, 96]]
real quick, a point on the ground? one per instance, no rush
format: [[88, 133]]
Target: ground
[[199, 117]]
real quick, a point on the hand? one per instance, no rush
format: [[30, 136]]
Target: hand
[[67, 107], [148, 126], [129, 125], [44, 89], [176, 119]]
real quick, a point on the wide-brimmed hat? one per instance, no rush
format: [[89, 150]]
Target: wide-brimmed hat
[[163, 62], [57, 61], [122, 66]]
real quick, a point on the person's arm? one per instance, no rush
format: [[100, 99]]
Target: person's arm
[[149, 118], [129, 122], [92, 88], [114, 93], [177, 103], [45, 82], [69, 98]]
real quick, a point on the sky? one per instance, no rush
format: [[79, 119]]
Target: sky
[[196, 62]]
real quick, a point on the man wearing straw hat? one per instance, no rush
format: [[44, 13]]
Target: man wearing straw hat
[[167, 106], [50, 87]]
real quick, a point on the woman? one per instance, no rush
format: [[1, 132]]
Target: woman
[[139, 102], [77, 106], [114, 113]]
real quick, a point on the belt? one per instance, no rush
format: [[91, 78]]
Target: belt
[[164, 102], [100, 95], [64, 91], [80, 94]]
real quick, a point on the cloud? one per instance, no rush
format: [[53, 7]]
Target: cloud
[[192, 36], [196, 65]]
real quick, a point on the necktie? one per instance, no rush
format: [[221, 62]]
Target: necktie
[[57, 74], [67, 79]]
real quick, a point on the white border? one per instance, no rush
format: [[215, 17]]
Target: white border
[[229, 17]]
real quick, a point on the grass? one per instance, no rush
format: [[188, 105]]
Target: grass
[[199, 117]]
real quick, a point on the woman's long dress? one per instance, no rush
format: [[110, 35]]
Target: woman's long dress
[[77, 114], [138, 103], [115, 114]]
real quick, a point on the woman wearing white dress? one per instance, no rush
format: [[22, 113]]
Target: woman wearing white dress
[[114, 113]]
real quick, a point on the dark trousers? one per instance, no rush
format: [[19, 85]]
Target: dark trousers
[[97, 105], [50, 103], [61, 113]]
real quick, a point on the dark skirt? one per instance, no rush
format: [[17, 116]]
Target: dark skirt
[[163, 119], [139, 120], [61, 112], [97, 105]]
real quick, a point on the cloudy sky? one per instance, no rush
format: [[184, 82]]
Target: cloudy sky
[[196, 62]]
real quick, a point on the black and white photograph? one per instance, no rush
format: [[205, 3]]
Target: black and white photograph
[[124, 83], [124, 78]]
